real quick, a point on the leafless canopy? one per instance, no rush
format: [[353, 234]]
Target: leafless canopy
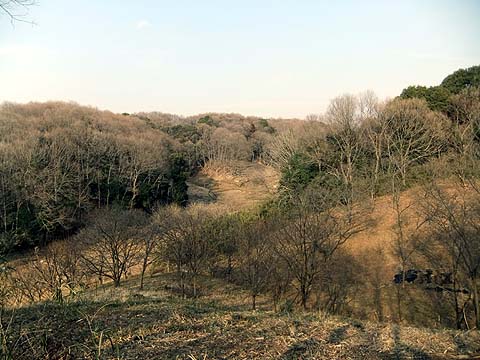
[[16, 10]]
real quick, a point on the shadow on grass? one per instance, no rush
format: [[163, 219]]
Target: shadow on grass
[[77, 329], [402, 351], [340, 345], [302, 350], [171, 327], [338, 335]]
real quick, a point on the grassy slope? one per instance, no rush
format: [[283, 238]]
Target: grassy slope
[[380, 233], [243, 185], [237, 186], [157, 324]]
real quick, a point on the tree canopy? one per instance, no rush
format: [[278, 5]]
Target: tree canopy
[[462, 79], [438, 97]]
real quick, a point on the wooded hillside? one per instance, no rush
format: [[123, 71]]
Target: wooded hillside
[[370, 210]]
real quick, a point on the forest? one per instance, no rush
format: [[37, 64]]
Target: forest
[[90, 198]]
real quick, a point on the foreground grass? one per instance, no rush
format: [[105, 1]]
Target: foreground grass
[[155, 324]]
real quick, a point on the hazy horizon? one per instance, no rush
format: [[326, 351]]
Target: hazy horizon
[[271, 58]]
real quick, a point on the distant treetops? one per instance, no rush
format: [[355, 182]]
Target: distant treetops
[[438, 97]]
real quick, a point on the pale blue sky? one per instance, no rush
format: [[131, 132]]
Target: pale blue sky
[[280, 58]]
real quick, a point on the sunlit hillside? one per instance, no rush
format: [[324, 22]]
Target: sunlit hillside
[[208, 180]]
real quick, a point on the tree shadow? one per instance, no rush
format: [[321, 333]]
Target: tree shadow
[[402, 351], [460, 344], [302, 350], [337, 335]]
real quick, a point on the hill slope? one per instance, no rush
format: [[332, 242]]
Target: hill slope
[[236, 186], [155, 324]]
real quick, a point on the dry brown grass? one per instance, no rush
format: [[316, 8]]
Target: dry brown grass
[[237, 185], [155, 324], [126, 323], [380, 232]]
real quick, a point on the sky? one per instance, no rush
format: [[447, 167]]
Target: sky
[[270, 58]]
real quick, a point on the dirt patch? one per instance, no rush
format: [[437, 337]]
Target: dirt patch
[[237, 186]]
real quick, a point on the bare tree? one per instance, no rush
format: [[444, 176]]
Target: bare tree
[[443, 259], [282, 148], [413, 134], [308, 239], [113, 243], [5, 284], [172, 247], [186, 243], [454, 217], [220, 145], [373, 260], [407, 133], [150, 241], [27, 287], [344, 120], [255, 261], [338, 283], [197, 243], [368, 105], [225, 232], [407, 236], [280, 279], [54, 186], [372, 136], [58, 269], [16, 10], [153, 234], [465, 109], [313, 117]]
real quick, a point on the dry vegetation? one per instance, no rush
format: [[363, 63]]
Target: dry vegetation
[[239, 185], [221, 236], [125, 323]]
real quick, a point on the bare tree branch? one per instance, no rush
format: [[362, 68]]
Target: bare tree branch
[[16, 10]]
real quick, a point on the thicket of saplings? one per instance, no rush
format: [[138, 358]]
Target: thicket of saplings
[[108, 177]]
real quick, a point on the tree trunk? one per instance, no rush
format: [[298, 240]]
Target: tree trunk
[[304, 299], [144, 268], [182, 286], [476, 307], [254, 301], [194, 286], [399, 304], [142, 276], [378, 303], [458, 311], [229, 268]]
